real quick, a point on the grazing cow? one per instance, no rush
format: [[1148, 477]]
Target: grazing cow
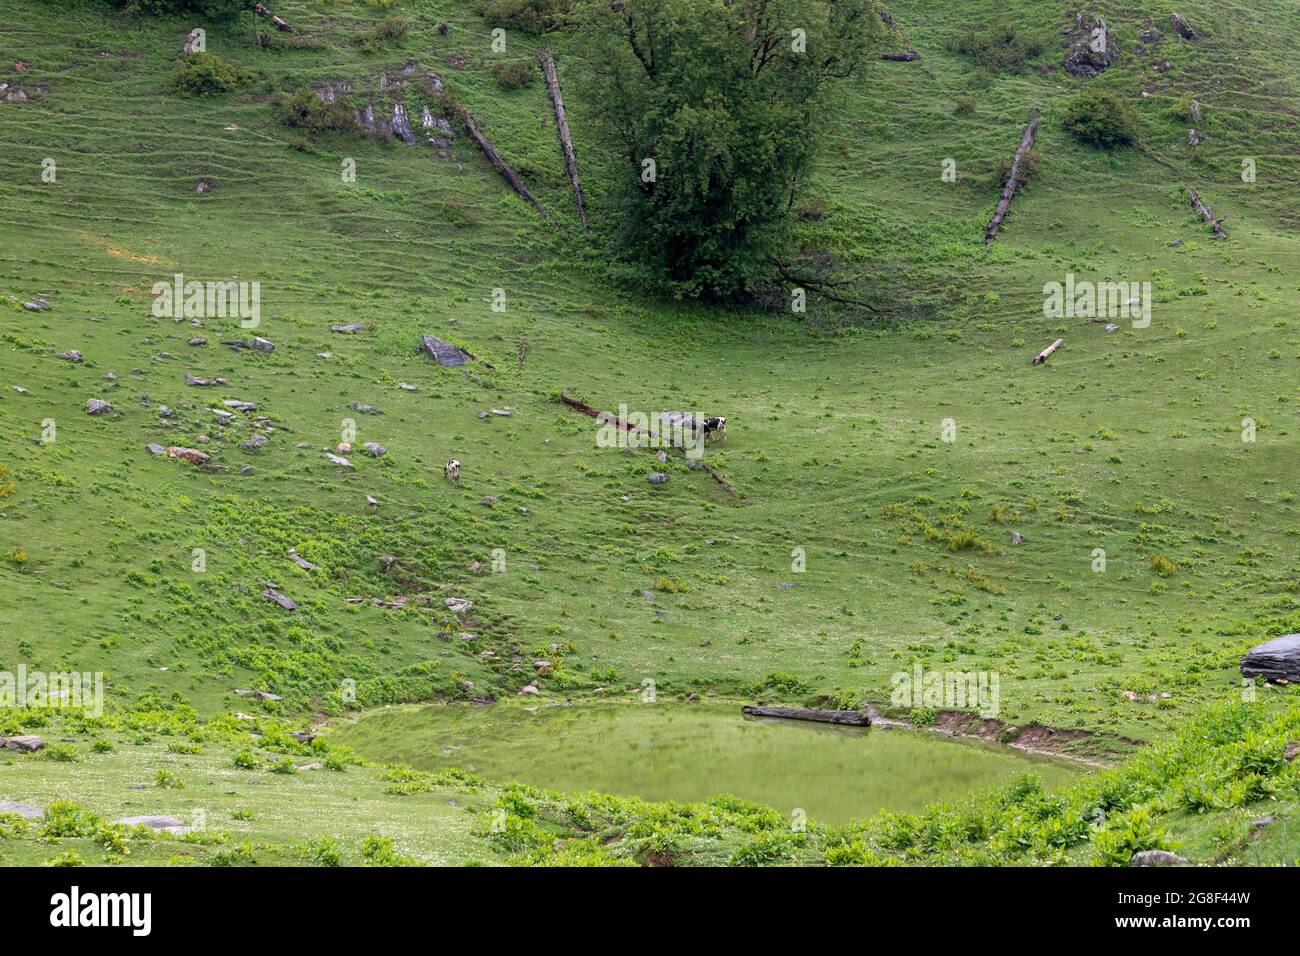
[[451, 471], [715, 428]]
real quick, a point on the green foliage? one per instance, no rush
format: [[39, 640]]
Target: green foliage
[[1001, 48], [305, 110], [382, 35], [1128, 833], [213, 9], [1100, 118], [730, 118], [530, 16], [206, 74], [515, 75]]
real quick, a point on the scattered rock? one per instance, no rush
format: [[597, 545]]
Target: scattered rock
[[1130, 696], [1292, 750], [97, 406], [1094, 48], [72, 355], [648, 595], [338, 460], [542, 667], [1259, 824], [658, 478], [239, 406], [348, 329], [192, 455], [1017, 538], [375, 449], [300, 561], [371, 500], [158, 824], [458, 605], [259, 344], [501, 412], [402, 125], [27, 743], [155, 449], [490, 501], [198, 340], [36, 305], [275, 597], [1156, 858], [254, 442], [475, 567], [24, 810], [364, 408], [529, 690], [444, 353], [202, 187], [202, 382], [1278, 659]]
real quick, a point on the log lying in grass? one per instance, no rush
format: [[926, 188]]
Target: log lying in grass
[[851, 718], [1009, 190], [1046, 353], [562, 126], [1206, 214], [1182, 27], [908, 53], [261, 11], [501, 165]]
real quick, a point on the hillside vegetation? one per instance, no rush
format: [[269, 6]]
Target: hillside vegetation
[[152, 570]]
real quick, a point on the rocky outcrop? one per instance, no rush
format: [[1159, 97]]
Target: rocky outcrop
[[1275, 660], [1092, 48]]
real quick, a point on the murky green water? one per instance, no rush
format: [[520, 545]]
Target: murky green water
[[690, 752]]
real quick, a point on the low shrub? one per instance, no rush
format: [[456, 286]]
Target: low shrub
[[206, 74], [515, 75], [1101, 119]]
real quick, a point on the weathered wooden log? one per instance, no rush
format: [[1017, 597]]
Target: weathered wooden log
[[1182, 27], [1206, 214], [597, 413], [1046, 353], [851, 718], [908, 53], [562, 127], [261, 11], [1009, 190], [501, 165]]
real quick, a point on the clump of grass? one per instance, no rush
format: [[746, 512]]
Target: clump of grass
[[388, 32], [1001, 48], [515, 75], [305, 110], [1162, 565]]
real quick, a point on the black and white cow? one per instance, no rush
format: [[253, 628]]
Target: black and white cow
[[451, 471], [715, 428]]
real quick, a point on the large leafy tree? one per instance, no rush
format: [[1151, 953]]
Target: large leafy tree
[[714, 110]]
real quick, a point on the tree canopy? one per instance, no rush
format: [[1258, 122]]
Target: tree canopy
[[714, 111]]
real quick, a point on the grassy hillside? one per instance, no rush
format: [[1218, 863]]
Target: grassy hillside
[[1130, 442]]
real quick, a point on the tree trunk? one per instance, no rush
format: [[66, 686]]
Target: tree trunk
[[1046, 353], [1009, 190], [502, 166], [261, 11], [562, 126], [852, 718], [1206, 214]]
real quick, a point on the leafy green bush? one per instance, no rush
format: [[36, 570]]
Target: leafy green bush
[[1101, 119], [205, 74], [214, 9], [530, 16], [304, 110], [379, 36], [999, 48], [514, 75]]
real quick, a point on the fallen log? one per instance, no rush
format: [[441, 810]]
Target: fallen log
[[261, 11], [1182, 27], [562, 127], [851, 718], [1009, 190], [501, 165], [1206, 214], [597, 413], [908, 53], [1046, 353]]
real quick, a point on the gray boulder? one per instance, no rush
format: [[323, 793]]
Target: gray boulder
[[97, 406], [24, 742], [1156, 858], [24, 810], [1278, 659], [158, 824]]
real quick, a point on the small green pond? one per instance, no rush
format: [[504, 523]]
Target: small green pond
[[690, 752]]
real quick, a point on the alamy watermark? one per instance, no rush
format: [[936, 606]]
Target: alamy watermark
[[1098, 300], [630, 429], [70, 690], [954, 690], [208, 300]]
